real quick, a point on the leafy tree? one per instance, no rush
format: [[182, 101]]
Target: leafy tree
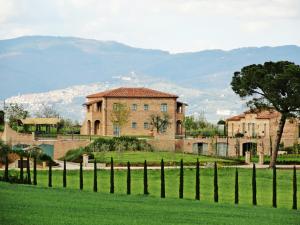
[[197, 197], [160, 122], [216, 188], [47, 111], [273, 85], [15, 112], [128, 179], [119, 115], [1, 117], [181, 180]]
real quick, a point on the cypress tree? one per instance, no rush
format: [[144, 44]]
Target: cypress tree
[[112, 184], [145, 179], [216, 194], [80, 177], [236, 187], [50, 174], [162, 180], [95, 176], [274, 187], [6, 168], [181, 180], [34, 171], [254, 201], [65, 174], [294, 189], [128, 179], [21, 169], [28, 170], [197, 197]]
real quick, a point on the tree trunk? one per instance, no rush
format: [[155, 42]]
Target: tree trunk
[[278, 139]]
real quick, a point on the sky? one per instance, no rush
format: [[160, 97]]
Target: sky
[[171, 25]]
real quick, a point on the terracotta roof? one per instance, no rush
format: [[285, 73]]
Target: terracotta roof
[[265, 114], [132, 92]]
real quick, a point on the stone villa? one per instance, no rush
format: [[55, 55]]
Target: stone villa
[[142, 102]]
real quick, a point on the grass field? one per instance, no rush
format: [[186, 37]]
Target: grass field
[[226, 184], [23, 204], [154, 158]]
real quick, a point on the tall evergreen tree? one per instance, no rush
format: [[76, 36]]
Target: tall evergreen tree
[[254, 200], [28, 170], [197, 197], [162, 180], [236, 187], [6, 168], [181, 180], [274, 187], [128, 179], [50, 174], [21, 169], [294, 189], [34, 171], [146, 192], [216, 188], [65, 174], [112, 183], [81, 177], [95, 176]]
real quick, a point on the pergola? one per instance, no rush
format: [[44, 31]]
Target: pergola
[[39, 123]]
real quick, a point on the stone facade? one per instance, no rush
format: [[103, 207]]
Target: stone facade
[[142, 103]]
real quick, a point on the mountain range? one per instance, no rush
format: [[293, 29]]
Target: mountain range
[[35, 66]]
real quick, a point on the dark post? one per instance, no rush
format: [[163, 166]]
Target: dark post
[[80, 177], [145, 179], [21, 169], [294, 189], [50, 174], [254, 201], [95, 176], [65, 174], [236, 187], [128, 179], [216, 194], [274, 187], [34, 171], [6, 168], [28, 170], [112, 183], [162, 180], [181, 180], [197, 197]]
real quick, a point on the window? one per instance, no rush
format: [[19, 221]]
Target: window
[[164, 107], [99, 106], [133, 125], [134, 107], [146, 125], [88, 108], [146, 107], [116, 129]]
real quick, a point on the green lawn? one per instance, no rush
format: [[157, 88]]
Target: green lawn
[[154, 158], [23, 204], [226, 184]]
